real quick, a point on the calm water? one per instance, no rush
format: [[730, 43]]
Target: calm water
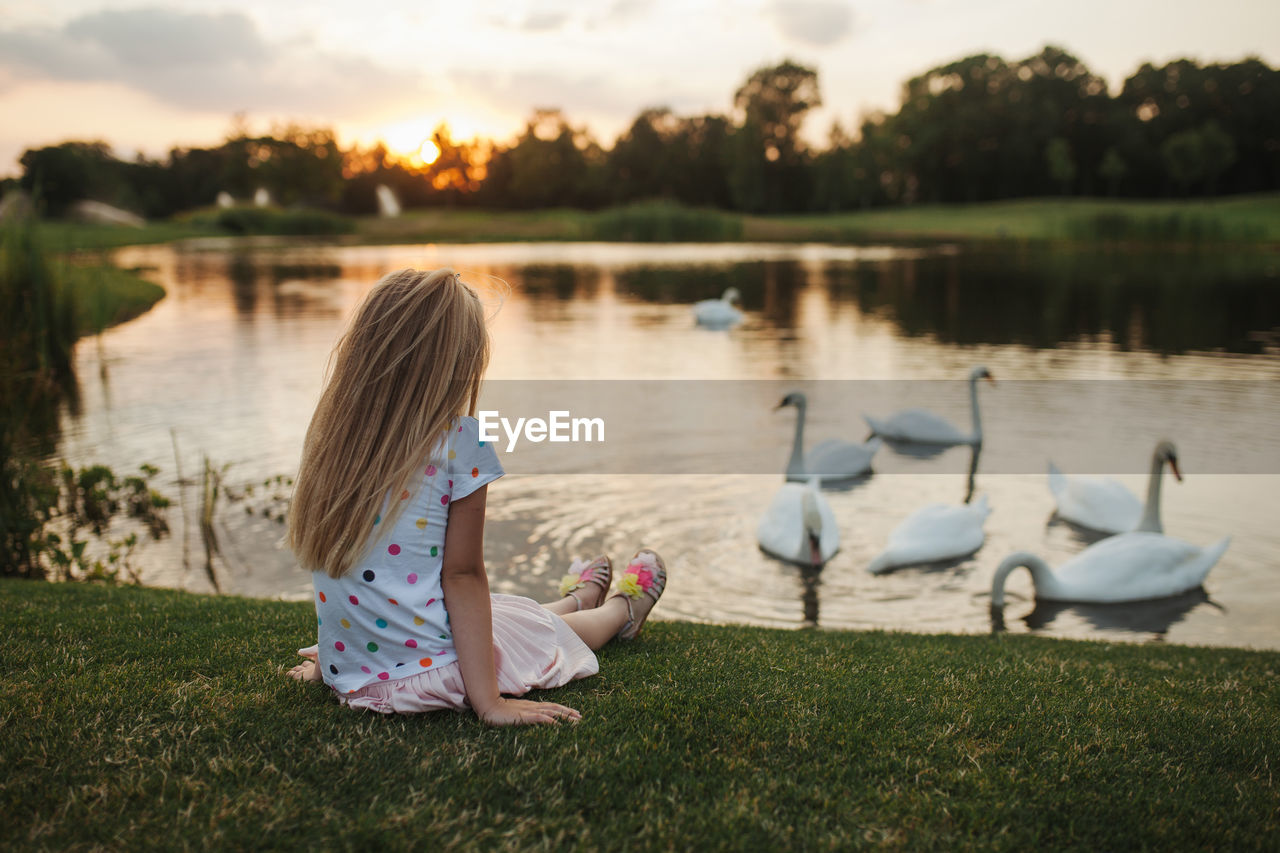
[[230, 363]]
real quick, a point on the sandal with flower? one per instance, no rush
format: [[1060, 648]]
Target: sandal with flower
[[599, 572], [645, 577]]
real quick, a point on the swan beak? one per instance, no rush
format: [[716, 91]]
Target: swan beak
[[990, 379], [1173, 465]]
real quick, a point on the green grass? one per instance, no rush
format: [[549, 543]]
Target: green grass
[[60, 236], [1248, 219], [1240, 220], [150, 718], [104, 295]]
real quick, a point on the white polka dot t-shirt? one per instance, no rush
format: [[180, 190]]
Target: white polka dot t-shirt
[[385, 618]]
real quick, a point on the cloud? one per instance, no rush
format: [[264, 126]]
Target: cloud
[[818, 23], [197, 62]]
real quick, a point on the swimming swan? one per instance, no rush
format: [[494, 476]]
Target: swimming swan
[[832, 459], [1103, 503], [1128, 567], [718, 313], [924, 427], [799, 526], [932, 533]]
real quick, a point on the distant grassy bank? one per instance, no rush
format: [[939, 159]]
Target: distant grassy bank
[[1251, 221], [137, 717]]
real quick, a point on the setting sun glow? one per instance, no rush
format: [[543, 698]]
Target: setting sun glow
[[411, 142]]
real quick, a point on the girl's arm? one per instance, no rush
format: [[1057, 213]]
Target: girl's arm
[[466, 598]]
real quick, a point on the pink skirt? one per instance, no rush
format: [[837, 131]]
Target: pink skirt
[[533, 648]]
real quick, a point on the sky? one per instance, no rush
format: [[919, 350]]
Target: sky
[[150, 75]]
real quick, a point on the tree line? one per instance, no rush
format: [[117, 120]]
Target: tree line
[[976, 129]]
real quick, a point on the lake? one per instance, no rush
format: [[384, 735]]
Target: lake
[[1096, 355]]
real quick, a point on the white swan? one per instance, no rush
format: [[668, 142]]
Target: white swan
[[832, 459], [799, 526], [1103, 503], [1128, 567], [924, 427], [718, 313], [932, 533]]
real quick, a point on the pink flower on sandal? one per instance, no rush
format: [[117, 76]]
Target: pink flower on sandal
[[637, 578]]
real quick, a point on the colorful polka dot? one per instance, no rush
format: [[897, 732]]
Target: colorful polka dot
[[453, 454], [422, 523], [413, 644], [373, 647], [381, 623], [431, 470], [393, 550], [322, 598], [435, 551], [451, 485], [430, 601], [353, 600], [333, 669], [480, 442], [365, 669], [444, 500], [418, 620], [368, 576], [384, 675], [393, 601], [424, 662], [318, 622], [377, 519], [404, 496], [345, 624], [339, 646], [412, 578], [459, 429], [475, 472]]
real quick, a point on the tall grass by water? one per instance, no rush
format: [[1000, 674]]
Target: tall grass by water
[[46, 304], [138, 717]]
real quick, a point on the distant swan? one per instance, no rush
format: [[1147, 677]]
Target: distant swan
[[832, 459], [1103, 503], [718, 313], [932, 533], [924, 427], [799, 526], [1127, 567]]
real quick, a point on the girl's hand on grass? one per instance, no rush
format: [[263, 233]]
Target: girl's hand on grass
[[522, 712]]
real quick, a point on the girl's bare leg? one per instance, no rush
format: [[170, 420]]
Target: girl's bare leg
[[563, 606], [600, 624]]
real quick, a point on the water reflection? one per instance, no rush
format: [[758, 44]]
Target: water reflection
[[1155, 617]]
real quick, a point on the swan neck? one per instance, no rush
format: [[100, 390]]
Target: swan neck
[[1041, 574], [973, 405], [795, 465], [1151, 511]]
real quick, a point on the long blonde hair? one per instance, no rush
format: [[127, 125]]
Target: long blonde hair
[[410, 362]]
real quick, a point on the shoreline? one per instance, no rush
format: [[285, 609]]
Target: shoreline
[[1229, 223]]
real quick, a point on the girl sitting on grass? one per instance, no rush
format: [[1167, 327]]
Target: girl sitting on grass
[[388, 514]]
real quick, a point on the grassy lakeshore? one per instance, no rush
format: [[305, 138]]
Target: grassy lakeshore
[[1244, 221], [155, 718]]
